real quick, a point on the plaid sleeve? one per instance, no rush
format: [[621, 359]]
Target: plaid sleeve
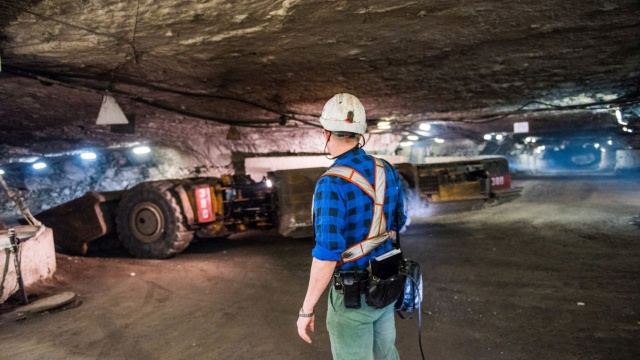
[[329, 219]]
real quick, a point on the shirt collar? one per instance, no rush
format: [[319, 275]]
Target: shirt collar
[[355, 151]]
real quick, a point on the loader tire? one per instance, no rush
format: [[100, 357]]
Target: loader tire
[[150, 223]]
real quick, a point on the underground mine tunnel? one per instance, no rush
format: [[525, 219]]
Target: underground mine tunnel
[[158, 161]]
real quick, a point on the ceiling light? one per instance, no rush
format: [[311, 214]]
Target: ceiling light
[[384, 124], [620, 118], [110, 112], [438, 140], [406, 143], [413, 137], [88, 155], [596, 145], [384, 127], [610, 142], [425, 127], [39, 165], [488, 137], [618, 115], [139, 150]]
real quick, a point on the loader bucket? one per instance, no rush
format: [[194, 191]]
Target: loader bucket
[[293, 191], [80, 221]]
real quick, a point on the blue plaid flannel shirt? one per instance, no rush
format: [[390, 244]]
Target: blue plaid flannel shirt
[[342, 211]]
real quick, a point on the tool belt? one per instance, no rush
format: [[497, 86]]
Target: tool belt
[[351, 284], [379, 293]]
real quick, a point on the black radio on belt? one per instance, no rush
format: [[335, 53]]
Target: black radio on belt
[[351, 284]]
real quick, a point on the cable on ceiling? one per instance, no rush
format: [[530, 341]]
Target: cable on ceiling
[[155, 103], [135, 58], [624, 100]]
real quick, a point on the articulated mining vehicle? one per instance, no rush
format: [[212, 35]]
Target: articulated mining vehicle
[[453, 184], [158, 219]]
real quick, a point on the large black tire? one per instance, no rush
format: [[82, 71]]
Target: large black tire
[[150, 223]]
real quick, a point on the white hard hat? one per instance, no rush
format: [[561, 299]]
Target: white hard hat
[[344, 113]]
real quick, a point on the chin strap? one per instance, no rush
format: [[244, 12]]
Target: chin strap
[[325, 148]]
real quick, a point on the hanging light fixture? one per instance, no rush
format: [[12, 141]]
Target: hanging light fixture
[[111, 113]]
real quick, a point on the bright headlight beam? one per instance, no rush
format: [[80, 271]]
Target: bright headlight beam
[[487, 137], [88, 155], [269, 183], [141, 150]]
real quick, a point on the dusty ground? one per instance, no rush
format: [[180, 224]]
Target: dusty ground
[[503, 283]]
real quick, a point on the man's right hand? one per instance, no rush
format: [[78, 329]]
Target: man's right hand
[[303, 323]]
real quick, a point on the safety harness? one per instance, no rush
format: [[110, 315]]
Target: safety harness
[[378, 230]]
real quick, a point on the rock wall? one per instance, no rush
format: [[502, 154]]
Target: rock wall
[[180, 147]]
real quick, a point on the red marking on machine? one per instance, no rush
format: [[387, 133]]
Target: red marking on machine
[[203, 202], [501, 182]]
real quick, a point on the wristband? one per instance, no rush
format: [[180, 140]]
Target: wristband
[[301, 313]]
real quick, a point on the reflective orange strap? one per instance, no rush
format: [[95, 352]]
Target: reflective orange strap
[[377, 232]]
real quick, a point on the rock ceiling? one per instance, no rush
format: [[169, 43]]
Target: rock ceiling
[[268, 63]]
